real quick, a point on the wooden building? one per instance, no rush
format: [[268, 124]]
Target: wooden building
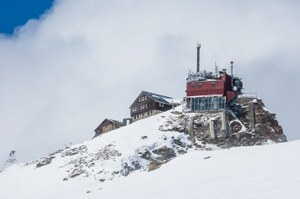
[[107, 125], [147, 104]]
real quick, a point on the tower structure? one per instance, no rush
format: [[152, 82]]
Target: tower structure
[[10, 160]]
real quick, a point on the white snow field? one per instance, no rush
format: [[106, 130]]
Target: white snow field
[[269, 171]]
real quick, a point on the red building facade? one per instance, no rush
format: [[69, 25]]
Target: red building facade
[[205, 91]]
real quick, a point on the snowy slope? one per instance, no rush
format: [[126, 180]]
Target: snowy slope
[[96, 169], [271, 171]]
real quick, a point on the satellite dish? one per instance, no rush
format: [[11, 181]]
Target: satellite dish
[[234, 88]]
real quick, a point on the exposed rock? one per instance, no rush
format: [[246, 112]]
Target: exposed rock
[[74, 151], [178, 142], [266, 125], [86, 160], [44, 161], [146, 155], [254, 125], [76, 172], [164, 153], [126, 169], [107, 152], [154, 165], [144, 137], [178, 123]]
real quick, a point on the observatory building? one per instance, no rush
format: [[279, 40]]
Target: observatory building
[[211, 90]]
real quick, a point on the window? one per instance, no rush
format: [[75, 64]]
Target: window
[[134, 109], [199, 85], [161, 105], [213, 84], [193, 85], [146, 106], [143, 98], [208, 103]]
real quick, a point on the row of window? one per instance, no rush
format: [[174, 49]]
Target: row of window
[[142, 107], [161, 105], [145, 106], [213, 84], [143, 98], [142, 115], [206, 103]]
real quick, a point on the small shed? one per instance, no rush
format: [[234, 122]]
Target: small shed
[[107, 125]]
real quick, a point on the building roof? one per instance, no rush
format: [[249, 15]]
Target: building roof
[[111, 120], [156, 97]]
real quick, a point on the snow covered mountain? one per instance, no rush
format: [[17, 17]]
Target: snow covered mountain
[[124, 164]]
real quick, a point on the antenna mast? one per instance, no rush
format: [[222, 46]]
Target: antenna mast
[[198, 57], [216, 69], [231, 67]]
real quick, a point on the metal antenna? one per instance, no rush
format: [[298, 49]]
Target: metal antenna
[[216, 69], [198, 57], [231, 67]]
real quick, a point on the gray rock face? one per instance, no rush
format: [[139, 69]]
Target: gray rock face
[[44, 161], [164, 153], [265, 124], [255, 125]]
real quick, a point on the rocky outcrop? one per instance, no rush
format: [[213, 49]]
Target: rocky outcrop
[[44, 161], [152, 157], [254, 125], [259, 121]]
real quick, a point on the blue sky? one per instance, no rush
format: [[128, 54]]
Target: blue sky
[[15, 13]]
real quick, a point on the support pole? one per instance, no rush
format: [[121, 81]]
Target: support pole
[[252, 117], [212, 129], [224, 124]]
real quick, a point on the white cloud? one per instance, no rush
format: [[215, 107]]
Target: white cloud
[[87, 60]]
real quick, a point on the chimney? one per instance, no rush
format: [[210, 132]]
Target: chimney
[[127, 121]]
